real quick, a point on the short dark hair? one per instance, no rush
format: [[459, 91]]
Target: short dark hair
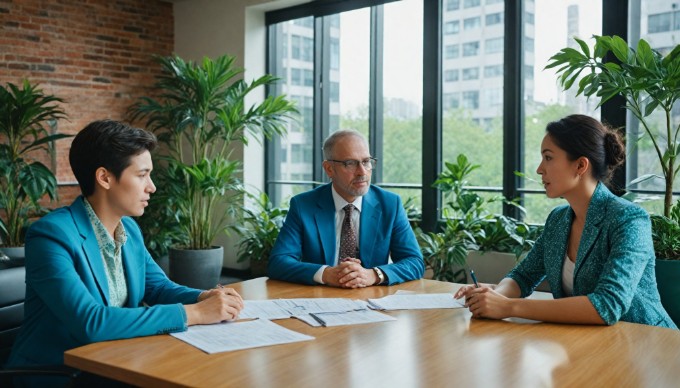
[[109, 144], [580, 135]]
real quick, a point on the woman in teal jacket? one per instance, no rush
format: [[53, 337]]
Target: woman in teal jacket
[[89, 277], [596, 253]]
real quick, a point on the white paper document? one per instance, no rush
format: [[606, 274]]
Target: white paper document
[[320, 305], [309, 319], [415, 302], [350, 318], [237, 335], [287, 308], [265, 309]]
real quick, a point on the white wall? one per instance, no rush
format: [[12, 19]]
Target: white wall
[[236, 27]]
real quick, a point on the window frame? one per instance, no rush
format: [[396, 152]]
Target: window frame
[[614, 22]]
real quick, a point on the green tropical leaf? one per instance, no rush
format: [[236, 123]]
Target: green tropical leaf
[[620, 48]]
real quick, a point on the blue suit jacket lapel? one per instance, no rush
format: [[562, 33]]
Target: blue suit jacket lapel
[[370, 220], [591, 230], [91, 248], [325, 224]]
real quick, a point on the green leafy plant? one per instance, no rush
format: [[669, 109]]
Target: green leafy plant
[[159, 225], [24, 113], [258, 228], [666, 234], [469, 225], [646, 79], [199, 114]]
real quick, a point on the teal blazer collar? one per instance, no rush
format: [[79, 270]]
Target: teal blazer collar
[[94, 257], [90, 247], [597, 210]]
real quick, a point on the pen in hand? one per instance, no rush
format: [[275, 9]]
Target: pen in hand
[[474, 278]]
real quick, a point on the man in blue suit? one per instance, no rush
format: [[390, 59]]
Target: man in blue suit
[[308, 248], [89, 277]]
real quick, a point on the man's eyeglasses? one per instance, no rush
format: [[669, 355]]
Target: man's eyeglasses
[[351, 165]]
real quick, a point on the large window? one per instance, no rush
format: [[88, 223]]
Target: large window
[[452, 51], [660, 22], [295, 67], [452, 27], [544, 101], [450, 73], [473, 125], [401, 164], [663, 34], [347, 72]]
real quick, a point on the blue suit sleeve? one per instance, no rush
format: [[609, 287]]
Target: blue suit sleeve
[[285, 261], [406, 255]]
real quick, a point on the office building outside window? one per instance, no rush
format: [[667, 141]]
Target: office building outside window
[[343, 94], [564, 19], [658, 22], [328, 65], [472, 124]]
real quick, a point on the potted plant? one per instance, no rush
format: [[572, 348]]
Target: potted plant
[[259, 227], [473, 236], [158, 223], [200, 112], [649, 82], [24, 113]]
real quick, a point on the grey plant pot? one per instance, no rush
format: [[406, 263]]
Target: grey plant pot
[[196, 268]]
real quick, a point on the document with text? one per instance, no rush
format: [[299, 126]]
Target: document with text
[[287, 308], [237, 335], [351, 318], [265, 309], [415, 302]]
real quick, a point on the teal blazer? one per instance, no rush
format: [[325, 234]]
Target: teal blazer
[[614, 265], [67, 295], [307, 238]]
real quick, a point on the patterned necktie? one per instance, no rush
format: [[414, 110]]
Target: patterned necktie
[[348, 239]]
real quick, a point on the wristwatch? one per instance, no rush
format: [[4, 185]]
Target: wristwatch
[[380, 274]]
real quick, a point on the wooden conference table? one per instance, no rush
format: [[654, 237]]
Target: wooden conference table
[[422, 348]]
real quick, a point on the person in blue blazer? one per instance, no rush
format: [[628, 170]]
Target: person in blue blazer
[[596, 252], [89, 277], [308, 248]]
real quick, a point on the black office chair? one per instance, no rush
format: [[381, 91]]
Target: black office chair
[[12, 295]]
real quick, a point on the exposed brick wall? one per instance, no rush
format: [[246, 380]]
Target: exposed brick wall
[[94, 54]]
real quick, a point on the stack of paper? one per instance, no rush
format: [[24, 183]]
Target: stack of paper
[[350, 318]]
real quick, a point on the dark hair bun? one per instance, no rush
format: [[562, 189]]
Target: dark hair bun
[[615, 150]]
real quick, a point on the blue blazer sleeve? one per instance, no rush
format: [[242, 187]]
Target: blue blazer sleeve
[[67, 296], [297, 253], [630, 253]]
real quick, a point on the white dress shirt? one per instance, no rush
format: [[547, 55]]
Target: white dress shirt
[[568, 276], [340, 203]]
